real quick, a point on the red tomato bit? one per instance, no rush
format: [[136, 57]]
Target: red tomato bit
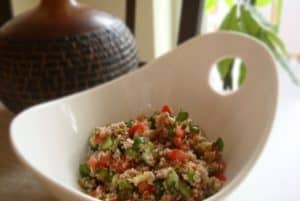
[[167, 109]]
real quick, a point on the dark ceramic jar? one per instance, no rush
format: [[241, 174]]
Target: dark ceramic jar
[[58, 48]]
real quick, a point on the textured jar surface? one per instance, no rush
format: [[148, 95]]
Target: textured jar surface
[[33, 71]]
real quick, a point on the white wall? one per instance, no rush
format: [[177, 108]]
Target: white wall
[[290, 25], [145, 30], [115, 7], [166, 20], [20, 6]]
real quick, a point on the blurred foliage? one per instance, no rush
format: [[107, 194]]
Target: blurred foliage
[[245, 18]]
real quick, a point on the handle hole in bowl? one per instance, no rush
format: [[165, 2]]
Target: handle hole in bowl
[[227, 75]]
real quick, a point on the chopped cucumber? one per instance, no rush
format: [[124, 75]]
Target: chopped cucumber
[[84, 170], [184, 189], [190, 176], [107, 144], [132, 153], [146, 176], [104, 175], [172, 180], [125, 189], [147, 153]]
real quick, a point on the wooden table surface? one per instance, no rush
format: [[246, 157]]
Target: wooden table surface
[[16, 183]]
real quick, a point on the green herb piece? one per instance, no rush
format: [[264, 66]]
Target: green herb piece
[[210, 171], [190, 175], [172, 132], [104, 175], [132, 153], [182, 116], [219, 144], [84, 170], [194, 129], [152, 123], [93, 146], [184, 189], [129, 123], [159, 189], [137, 141]]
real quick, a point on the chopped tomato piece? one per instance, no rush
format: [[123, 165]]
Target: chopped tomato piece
[[92, 162], [138, 127], [121, 165], [176, 154], [96, 193], [179, 137], [179, 132], [99, 139], [178, 142], [222, 166], [220, 176], [95, 163], [104, 161], [145, 187], [216, 151], [167, 109]]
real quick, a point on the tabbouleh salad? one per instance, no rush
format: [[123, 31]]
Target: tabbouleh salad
[[164, 157]]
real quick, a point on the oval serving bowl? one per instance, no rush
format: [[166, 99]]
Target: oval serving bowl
[[51, 139]]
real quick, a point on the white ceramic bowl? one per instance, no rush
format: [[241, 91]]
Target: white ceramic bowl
[[51, 138]]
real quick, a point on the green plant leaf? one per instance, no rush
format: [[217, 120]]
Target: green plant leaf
[[229, 3], [261, 19], [279, 6], [228, 80], [262, 2], [243, 72], [231, 21], [224, 67], [210, 4], [281, 59], [249, 24], [277, 41]]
